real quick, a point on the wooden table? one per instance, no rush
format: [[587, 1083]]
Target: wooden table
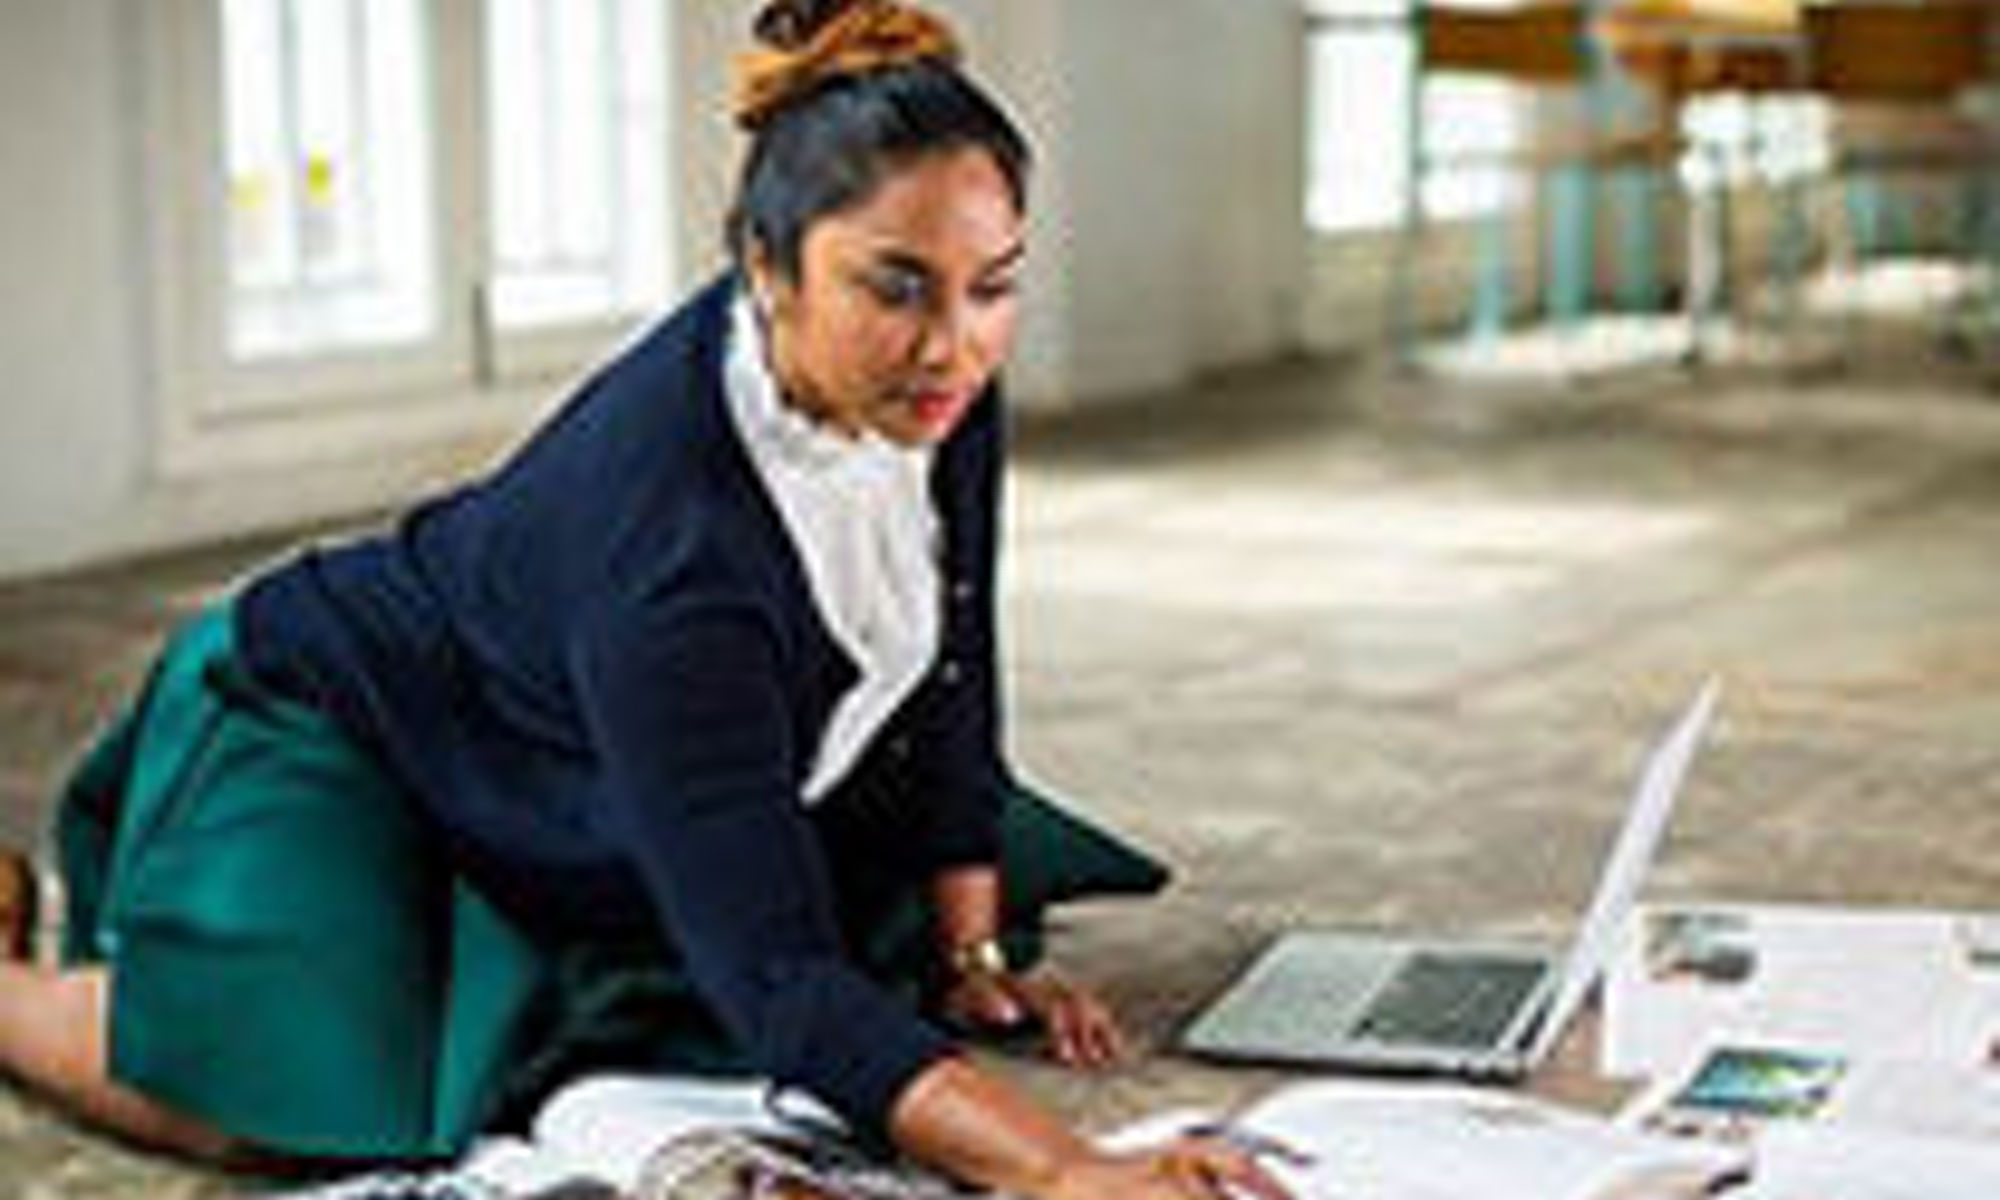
[[1859, 49], [1916, 58]]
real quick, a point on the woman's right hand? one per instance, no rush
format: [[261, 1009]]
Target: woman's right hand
[[1190, 1168], [970, 1124]]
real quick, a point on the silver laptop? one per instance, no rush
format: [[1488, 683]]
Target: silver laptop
[[1467, 1008]]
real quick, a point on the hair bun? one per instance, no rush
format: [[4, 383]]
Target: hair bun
[[790, 24], [808, 43]]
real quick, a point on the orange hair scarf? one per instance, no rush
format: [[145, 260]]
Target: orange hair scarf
[[867, 36]]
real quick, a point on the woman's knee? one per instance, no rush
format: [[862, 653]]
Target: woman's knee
[[54, 1038]]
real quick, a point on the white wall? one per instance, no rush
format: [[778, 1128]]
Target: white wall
[[706, 147], [1166, 241], [71, 424], [1177, 211]]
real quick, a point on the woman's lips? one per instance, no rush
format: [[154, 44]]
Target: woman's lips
[[938, 410]]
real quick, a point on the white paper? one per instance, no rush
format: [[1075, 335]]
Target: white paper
[[1936, 1099], [1822, 1162], [605, 1127], [1894, 984], [1401, 1141], [1156, 1129]]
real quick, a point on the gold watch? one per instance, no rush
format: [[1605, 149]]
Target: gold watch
[[985, 958]]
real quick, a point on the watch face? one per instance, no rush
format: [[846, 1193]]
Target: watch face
[[991, 957], [983, 957]]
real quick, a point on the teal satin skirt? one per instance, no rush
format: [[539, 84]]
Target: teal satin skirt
[[290, 960]]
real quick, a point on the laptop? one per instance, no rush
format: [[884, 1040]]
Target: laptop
[[1479, 1009]]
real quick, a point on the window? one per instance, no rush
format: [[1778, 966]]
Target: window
[[370, 199], [1471, 124], [326, 178], [1741, 139], [1364, 89], [1359, 72], [578, 161]]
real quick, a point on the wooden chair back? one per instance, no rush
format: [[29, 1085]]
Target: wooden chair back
[[1884, 51]]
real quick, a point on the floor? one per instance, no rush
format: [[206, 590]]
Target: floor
[[1351, 649]]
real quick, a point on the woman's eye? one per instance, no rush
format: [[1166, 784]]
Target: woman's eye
[[897, 291], [994, 290]]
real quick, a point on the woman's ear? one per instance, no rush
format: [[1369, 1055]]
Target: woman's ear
[[762, 276]]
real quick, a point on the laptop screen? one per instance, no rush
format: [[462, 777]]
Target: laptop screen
[[1645, 826]]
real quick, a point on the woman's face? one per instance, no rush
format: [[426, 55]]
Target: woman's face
[[905, 304]]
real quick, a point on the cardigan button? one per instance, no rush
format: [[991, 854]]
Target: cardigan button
[[962, 591], [951, 674]]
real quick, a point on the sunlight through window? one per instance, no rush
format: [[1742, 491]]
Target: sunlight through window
[[577, 139], [327, 189], [1362, 78]]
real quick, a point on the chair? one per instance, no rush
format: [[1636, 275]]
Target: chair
[[1890, 51], [1546, 47], [1693, 50]]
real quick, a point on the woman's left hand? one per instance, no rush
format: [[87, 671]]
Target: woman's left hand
[[1081, 1029]]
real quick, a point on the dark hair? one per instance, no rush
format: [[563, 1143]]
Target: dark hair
[[828, 148]]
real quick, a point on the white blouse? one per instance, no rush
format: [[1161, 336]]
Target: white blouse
[[859, 513]]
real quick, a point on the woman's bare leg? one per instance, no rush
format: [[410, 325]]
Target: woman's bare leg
[[53, 1039]]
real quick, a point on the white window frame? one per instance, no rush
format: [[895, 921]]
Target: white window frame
[[1441, 202], [548, 350], [215, 412]]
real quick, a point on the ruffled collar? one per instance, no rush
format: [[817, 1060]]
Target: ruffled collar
[[780, 430]]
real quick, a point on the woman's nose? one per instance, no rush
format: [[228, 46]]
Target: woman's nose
[[947, 338]]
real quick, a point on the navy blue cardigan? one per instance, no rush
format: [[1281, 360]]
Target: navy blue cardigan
[[601, 672]]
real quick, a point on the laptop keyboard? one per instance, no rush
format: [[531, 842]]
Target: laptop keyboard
[[1464, 1000]]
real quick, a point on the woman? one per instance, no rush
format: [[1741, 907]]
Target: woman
[[707, 666]]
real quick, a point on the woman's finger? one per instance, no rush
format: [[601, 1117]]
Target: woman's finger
[[1192, 1171], [1107, 1040], [1229, 1170], [1061, 1026], [1080, 1028], [1096, 1031], [1043, 1001], [1091, 1037], [1249, 1175], [1071, 1021], [1066, 1035]]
